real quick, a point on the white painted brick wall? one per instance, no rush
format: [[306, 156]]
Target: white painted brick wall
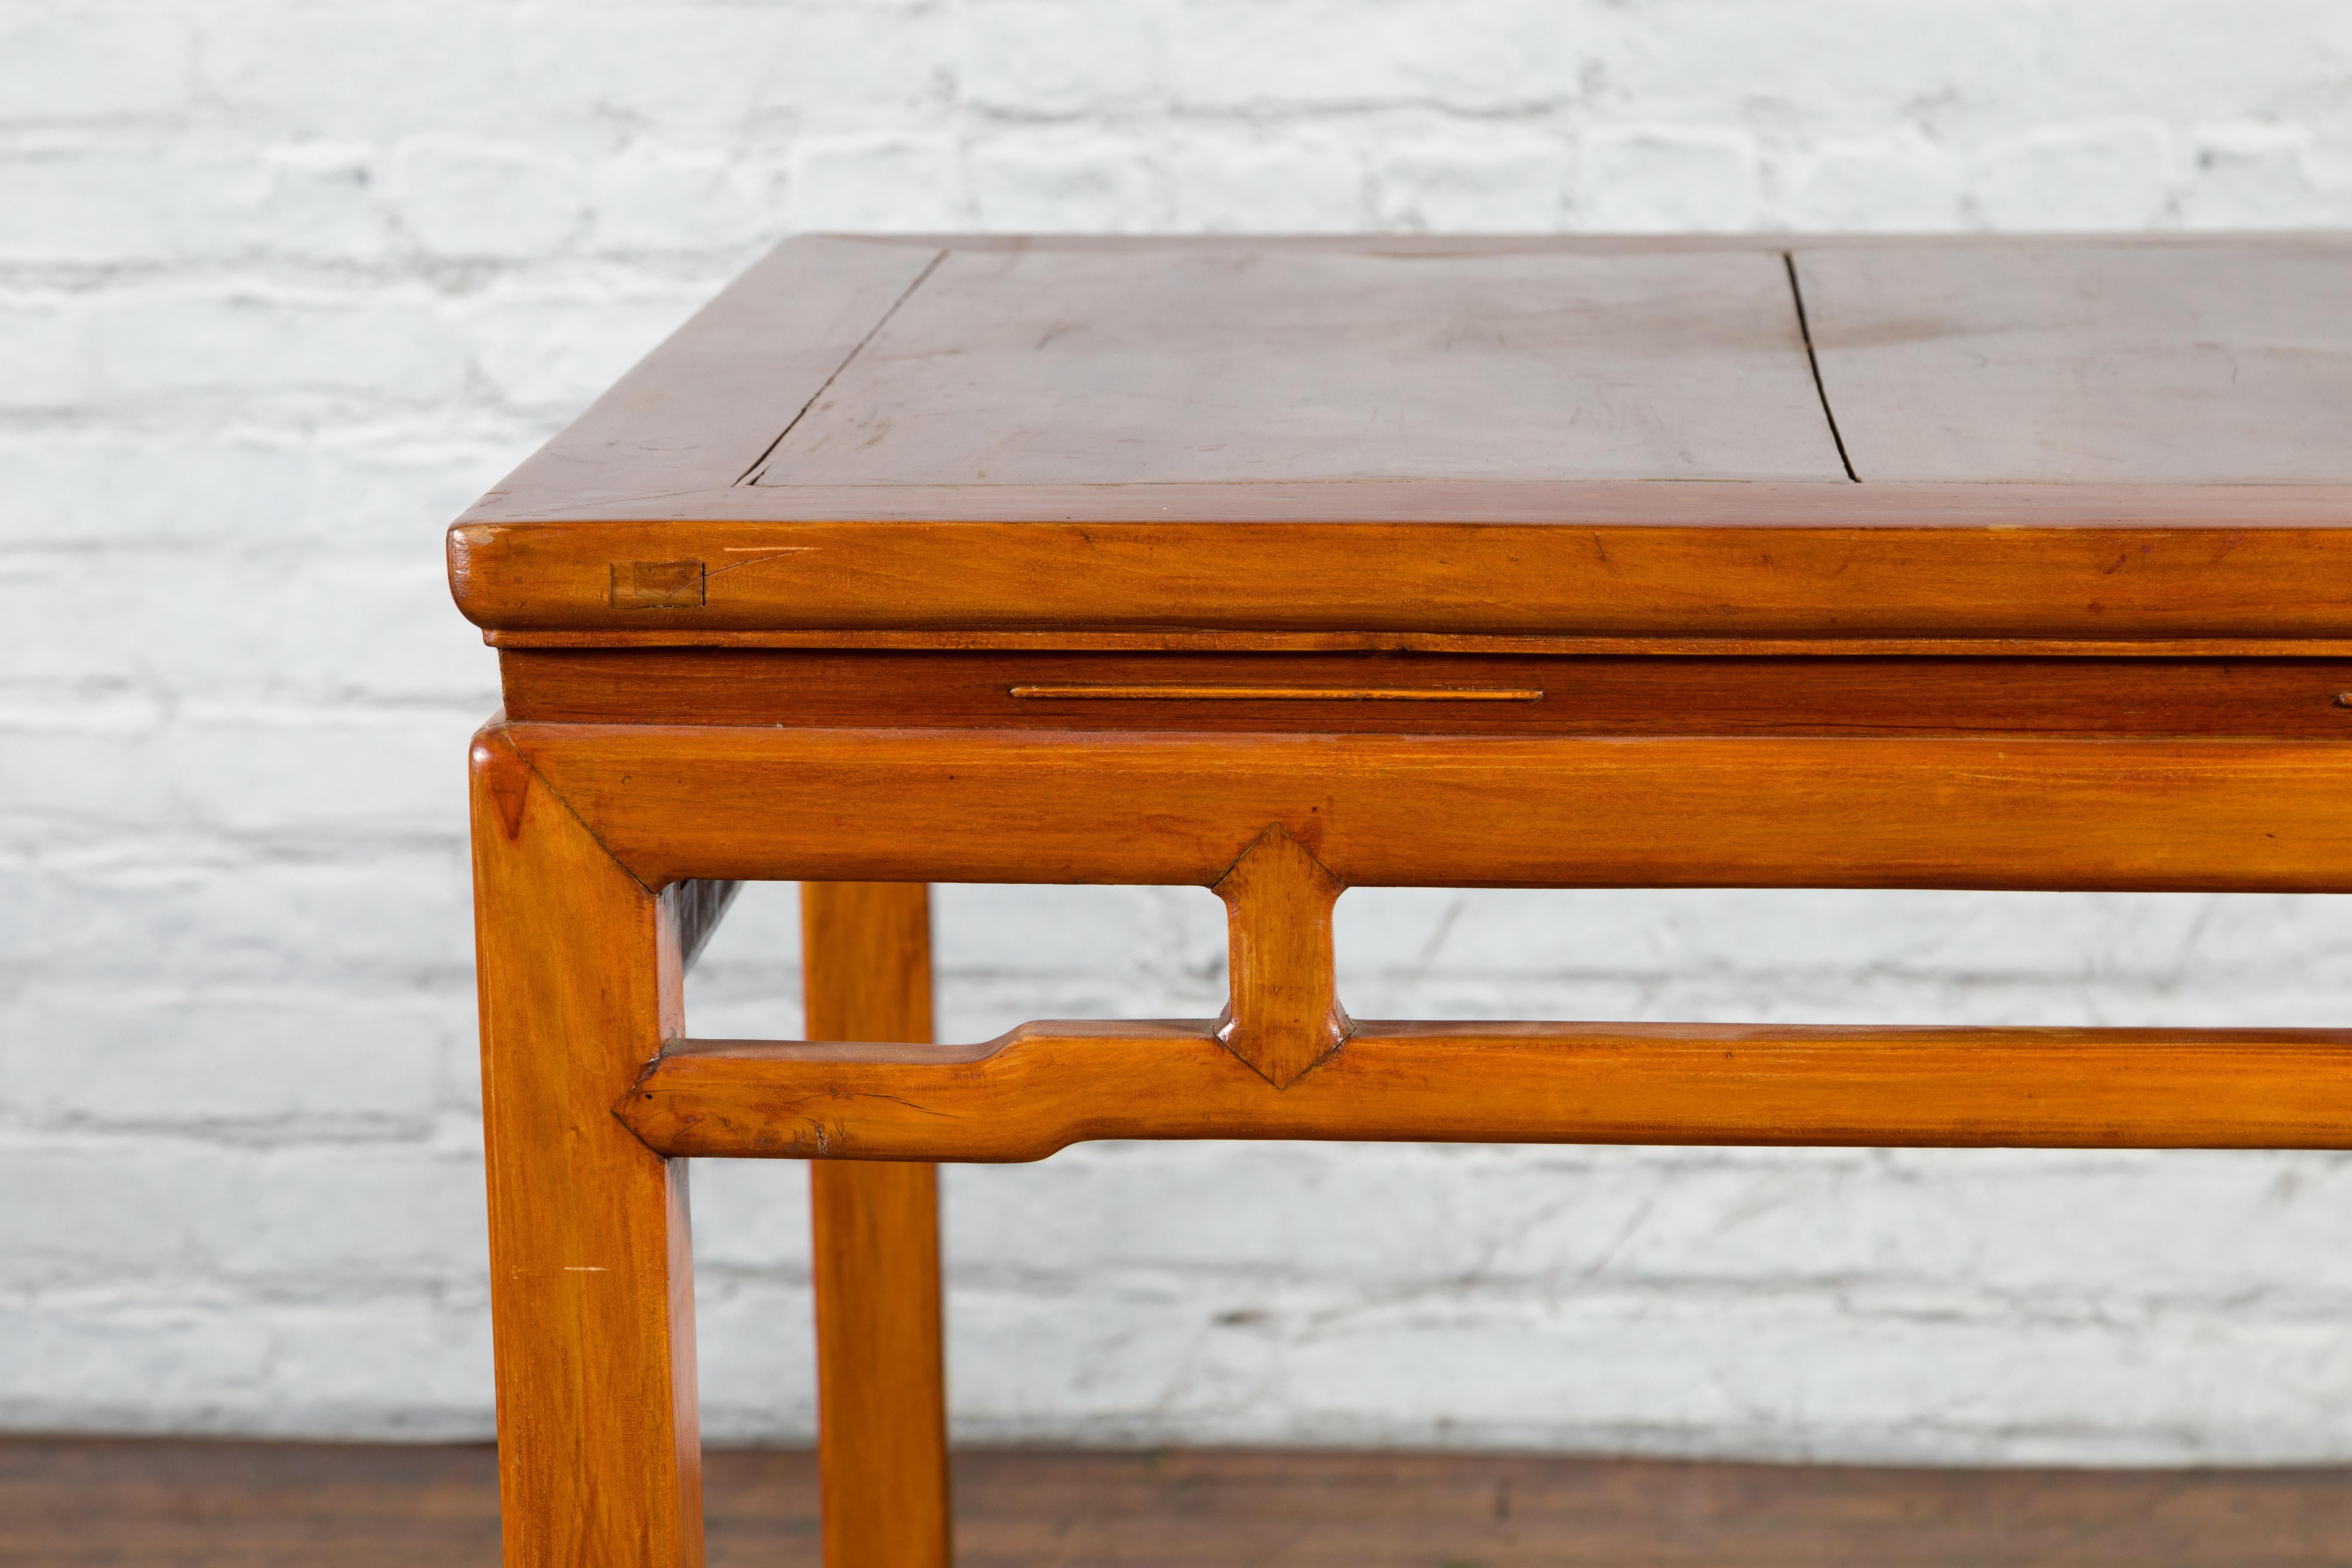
[[283, 285]]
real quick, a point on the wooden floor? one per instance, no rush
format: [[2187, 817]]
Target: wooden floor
[[70, 1502]]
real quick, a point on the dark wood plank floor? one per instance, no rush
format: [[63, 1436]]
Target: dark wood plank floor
[[66, 1503]]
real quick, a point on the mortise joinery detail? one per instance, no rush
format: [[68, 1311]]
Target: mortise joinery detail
[[1284, 1015]]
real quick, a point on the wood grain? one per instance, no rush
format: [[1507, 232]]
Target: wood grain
[[1025, 366], [1285, 1015], [2050, 362], [1593, 695], [1046, 1085], [1595, 471], [1173, 692], [881, 1369], [1809, 578], [1547, 646], [1477, 437], [1438, 811], [591, 1282]]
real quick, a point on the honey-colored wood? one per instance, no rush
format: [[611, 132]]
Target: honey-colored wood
[[1820, 561], [592, 1284], [1285, 1015], [1436, 811], [1613, 695], [2050, 362], [1046, 1086], [1544, 438], [1078, 691], [1431, 642], [881, 1373], [1283, 566]]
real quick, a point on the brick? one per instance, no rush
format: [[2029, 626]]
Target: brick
[[698, 72], [1827, 69], [178, 1211], [63, 204], [558, 351], [1666, 178], [1033, 57], [177, 594], [2030, 939], [372, 917], [1324, 55], [1298, 181], [2174, 60], [319, 200], [877, 182], [1090, 930], [93, 62], [284, 286], [756, 1345], [304, 350], [2258, 177], [381, 629], [111, 1366], [124, 199], [464, 196], [329, 1363], [48, 344], [747, 983], [750, 1219], [315, 625], [2112, 175], [373, 69], [1041, 181], [731, 77], [1486, 184], [648, 198], [233, 491], [205, 1363], [258, 771], [1893, 183], [425, 1219], [153, 1057]]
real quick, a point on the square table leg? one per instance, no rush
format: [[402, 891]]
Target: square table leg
[[881, 1396], [592, 1281]]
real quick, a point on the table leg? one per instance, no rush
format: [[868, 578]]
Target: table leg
[[591, 1282], [881, 1396]]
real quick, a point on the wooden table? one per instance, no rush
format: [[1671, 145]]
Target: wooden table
[[1283, 566]]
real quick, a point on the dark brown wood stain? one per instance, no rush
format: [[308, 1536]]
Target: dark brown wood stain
[[1589, 695], [133, 1503]]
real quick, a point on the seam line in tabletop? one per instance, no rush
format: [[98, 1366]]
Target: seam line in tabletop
[[759, 464], [1813, 361]]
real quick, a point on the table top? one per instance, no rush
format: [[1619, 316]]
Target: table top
[[1303, 440]]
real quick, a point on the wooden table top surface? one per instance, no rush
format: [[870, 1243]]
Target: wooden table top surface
[[2088, 440]]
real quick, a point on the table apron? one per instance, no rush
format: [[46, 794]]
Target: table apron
[[2120, 813]]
